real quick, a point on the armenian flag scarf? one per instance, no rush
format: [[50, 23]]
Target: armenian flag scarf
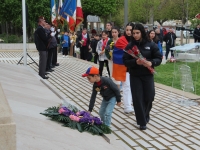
[[119, 69]]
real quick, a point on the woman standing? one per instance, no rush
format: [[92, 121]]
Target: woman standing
[[109, 49], [141, 79], [153, 37], [120, 71], [101, 45]]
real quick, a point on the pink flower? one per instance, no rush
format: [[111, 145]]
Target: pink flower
[[61, 110], [78, 113], [74, 118]]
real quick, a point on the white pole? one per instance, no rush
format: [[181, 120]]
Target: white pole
[[24, 31]]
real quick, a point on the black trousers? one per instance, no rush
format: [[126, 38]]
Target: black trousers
[[42, 63], [49, 58], [65, 50], [167, 51], [96, 56], [143, 92], [101, 65], [54, 58], [84, 52]]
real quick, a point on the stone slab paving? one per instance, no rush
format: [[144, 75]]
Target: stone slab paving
[[172, 126]]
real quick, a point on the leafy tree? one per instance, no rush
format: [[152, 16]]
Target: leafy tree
[[102, 8]]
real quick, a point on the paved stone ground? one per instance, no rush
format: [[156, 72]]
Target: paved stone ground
[[172, 126]]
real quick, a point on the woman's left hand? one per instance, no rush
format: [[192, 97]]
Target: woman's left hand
[[147, 64]]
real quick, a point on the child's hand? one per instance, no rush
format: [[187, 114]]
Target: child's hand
[[119, 103]]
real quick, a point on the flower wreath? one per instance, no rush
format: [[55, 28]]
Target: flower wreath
[[71, 117]]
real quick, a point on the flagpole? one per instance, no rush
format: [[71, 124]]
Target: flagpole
[[24, 31]]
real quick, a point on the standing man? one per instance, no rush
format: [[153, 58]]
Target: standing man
[[109, 28], [41, 42], [159, 33], [196, 34], [83, 42], [169, 38]]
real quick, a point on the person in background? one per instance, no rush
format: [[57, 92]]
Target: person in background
[[169, 38], [65, 40], [109, 50], [90, 56], [196, 34], [50, 49], [58, 38], [146, 29], [109, 92], [55, 52], [41, 41], [94, 46], [159, 33], [164, 32], [120, 71], [141, 78], [83, 42], [109, 28], [73, 41], [93, 32], [101, 45], [154, 38]]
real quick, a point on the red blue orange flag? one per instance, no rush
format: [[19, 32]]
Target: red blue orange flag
[[119, 69]]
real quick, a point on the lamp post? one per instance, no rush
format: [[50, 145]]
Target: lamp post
[[24, 32], [125, 13]]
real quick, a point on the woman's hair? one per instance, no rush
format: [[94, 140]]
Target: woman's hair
[[142, 30], [128, 38], [116, 28], [155, 39]]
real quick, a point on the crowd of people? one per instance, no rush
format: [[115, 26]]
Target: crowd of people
[[123, 69], [131, 74]]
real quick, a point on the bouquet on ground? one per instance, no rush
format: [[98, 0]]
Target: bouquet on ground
[[135, 52], [71, 117]]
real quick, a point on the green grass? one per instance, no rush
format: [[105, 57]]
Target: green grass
[[166, 74]]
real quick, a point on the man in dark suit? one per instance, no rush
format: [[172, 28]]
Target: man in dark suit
[[83, 42], [41, 41]]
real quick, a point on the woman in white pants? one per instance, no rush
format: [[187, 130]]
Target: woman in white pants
[[120, 71]]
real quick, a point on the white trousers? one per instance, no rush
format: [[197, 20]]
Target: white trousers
[[127, 96]]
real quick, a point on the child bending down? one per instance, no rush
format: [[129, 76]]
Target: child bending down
[[108, 90]]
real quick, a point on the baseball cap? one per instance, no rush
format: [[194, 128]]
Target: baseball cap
[[91, 70]]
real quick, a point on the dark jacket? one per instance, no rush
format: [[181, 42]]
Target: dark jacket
[[110, 34], [150, 51], [79, 38], [41, 38], [170, 38], [94, 45], [196, 33], [108, 89]]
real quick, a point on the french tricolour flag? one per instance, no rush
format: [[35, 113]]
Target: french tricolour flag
[[68, 12], [79, 13]]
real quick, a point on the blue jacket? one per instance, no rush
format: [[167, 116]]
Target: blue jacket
[[65, 38]]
